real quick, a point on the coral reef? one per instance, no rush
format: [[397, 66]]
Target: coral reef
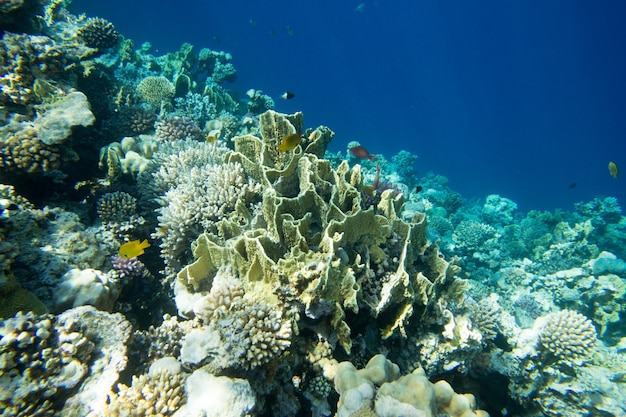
[[268, 267], [133, 121], [45, 358], [158, 393]]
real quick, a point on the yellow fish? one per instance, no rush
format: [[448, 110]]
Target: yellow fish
[[613, 169], [211, 138], [133, 249], [289, 142]]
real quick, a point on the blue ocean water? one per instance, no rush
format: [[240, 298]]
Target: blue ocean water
[[523, 99]]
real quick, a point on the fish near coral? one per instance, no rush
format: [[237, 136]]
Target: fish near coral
[[289, 142], [361, 153], [613, 169], [133, 249]]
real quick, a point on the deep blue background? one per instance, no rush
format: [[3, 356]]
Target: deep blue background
[[519, 98]]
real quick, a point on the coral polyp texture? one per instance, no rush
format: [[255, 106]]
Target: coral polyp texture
[[98, 33], [265, 280], [156, 90], [568, 335]]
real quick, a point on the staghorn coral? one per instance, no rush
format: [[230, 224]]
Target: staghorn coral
[[178, 128], [99, 33], [156, 90], [568, 336]]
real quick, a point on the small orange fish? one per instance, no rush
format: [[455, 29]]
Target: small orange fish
[[361, 153], [289, 142], [613, 169], [133, 249]]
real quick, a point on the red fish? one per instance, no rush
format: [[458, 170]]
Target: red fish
[[361, 153]]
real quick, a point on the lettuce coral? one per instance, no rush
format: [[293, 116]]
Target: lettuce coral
[[312, 236]]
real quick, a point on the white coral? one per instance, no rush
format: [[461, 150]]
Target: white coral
[[568, 335]]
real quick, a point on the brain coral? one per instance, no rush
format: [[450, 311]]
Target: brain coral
[[568, 336]]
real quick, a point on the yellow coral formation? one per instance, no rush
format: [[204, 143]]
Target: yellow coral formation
[[411, 394], [315, 235], [22, 150], [158, 395]]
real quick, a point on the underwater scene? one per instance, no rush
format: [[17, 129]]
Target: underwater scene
[[386, 208]]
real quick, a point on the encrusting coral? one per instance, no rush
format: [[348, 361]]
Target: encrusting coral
[[380, 390]]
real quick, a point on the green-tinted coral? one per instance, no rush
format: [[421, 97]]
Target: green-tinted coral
[[156, 90], [14, 298]]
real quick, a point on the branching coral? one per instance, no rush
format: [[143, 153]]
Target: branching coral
[[132, 121], [22, 150], [568, 336], [200, 189], [99, 33], [157, 394], [178, 128]]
